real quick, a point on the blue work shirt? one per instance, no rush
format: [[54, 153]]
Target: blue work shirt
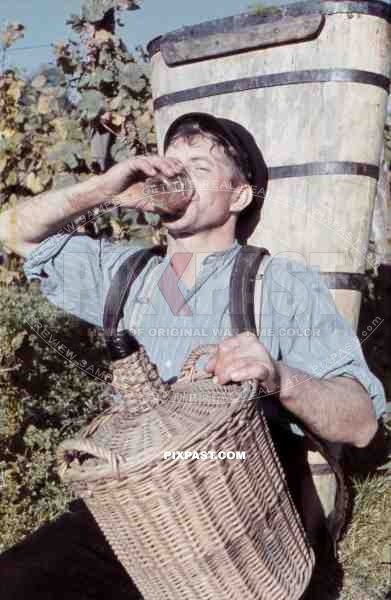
[[75, 272]]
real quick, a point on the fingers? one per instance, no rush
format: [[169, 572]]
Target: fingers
[[225, 359], [244, 342], [249, 370], [131, 198], [122, 177], [241, 369], [243, 339], [144, 165], [240, 357], [211, 364], [153, 165], [227, 345]]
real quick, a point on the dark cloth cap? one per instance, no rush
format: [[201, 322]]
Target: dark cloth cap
[[249, 155]]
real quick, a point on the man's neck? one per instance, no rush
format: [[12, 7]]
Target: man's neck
[[186, 254]]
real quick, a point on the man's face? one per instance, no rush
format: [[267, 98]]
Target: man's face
[[211, 172]]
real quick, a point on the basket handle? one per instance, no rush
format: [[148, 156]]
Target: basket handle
[[87, 447], [189, 365]]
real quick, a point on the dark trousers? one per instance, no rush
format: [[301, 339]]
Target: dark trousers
[[69, 558], [65, 559]]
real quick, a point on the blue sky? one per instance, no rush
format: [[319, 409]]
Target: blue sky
[[45, 22]]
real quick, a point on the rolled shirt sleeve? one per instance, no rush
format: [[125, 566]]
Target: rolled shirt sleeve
[[75, 270], [313, 335]]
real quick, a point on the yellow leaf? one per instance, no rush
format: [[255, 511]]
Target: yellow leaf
[[145, 120], [3, 164], [39, 81], [43, 105], [102, 36], [116, 102], [9, 277], [59, 126], [59, 46], [6, 39], [117, 120], [18, 340], [115, 228], [15, 89], [34, 183], [8, 133], [12, 179]]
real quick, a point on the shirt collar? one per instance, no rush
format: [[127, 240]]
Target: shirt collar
[[222, 255]]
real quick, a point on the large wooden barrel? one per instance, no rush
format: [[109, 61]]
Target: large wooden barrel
[[310, 81]]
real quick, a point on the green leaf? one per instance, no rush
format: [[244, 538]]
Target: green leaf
[[131, 75], [95, 10], [129, 215], [147, 69], [39, 81], [127, 4], [119, 150], [62, 180], [107, 75], [76, 22], [18, 340], [67, 152], [98, 76], [91, 104], [152, 218]]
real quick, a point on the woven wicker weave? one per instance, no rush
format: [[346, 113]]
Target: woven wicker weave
[[190, 529]]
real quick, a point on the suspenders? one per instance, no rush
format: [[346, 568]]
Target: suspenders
[[121, 343], [242, 287], [241, 291]]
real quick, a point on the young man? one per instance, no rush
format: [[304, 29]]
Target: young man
[[185, 291]]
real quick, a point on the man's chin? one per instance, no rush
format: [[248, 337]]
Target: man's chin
[[176, 229], [175, 222], [179, 218], [171, 218]]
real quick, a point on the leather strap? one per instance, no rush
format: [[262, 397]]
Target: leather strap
[[121, 344], [243, 319], [242, 286]]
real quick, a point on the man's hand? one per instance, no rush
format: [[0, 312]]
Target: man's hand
[[243, 357], [134, 170], [24, 227]]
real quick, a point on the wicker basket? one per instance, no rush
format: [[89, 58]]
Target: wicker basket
[[190, 529]]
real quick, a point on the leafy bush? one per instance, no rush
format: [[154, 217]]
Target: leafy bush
[[66, 122], [44, 398], [59, 126]]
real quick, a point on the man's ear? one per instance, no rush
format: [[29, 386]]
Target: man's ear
[[241, 197]]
